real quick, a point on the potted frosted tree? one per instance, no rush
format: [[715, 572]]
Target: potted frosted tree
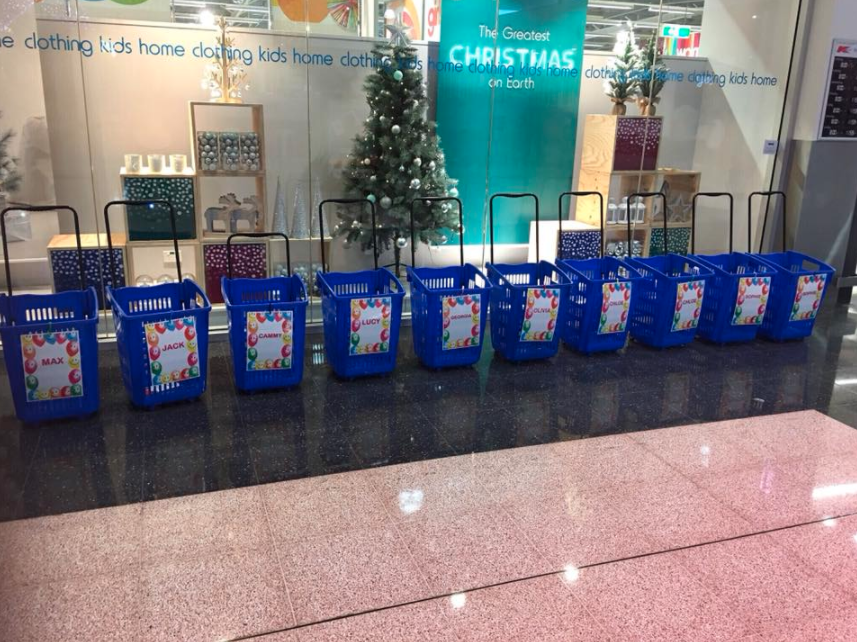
[[396, 159], [622, 86], [652, 78]]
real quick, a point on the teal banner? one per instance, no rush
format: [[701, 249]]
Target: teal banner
[[507, 102]]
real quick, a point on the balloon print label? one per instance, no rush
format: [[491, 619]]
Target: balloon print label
[[370, 325], [461, 321], [688, 305], [173, 351], [808, 295], [52, 365], [541, 314], [752, 300], [615, 305], [269, 340]]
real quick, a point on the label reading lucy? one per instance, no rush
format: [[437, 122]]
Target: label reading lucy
[[52, 365], [752, 300], [269, 340], [688, 305], [615, 304], [461, 321], [370, 325], [808, 295], [173, 351], [540, 315]]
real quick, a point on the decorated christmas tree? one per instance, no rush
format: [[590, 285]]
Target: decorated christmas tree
[[622, 86], [652, 77], [396, 159]]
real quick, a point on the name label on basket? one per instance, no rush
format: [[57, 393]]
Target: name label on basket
[[751, 302], [52, 365], [688, 305], [173, 352], [540, 320], [461, 321], [615, 305], [808, 293], [270, 340], [370, 326]]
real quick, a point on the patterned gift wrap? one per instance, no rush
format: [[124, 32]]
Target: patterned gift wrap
[[637, 138], [67, 276], [249, 261], [578, 245], [679, 241], [208, 156], [153, 223]]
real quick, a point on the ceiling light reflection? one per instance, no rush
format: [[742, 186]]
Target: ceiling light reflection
[[836, 490], [458, 600], [570, 574], [410, 501]]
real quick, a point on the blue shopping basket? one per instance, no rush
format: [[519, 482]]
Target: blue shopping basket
[[798, 288], [267, 324], [669, 296], [49, 342], [600, 297], [737, 295], [161, 330], [528, 300], [449, 305], [362, 312]]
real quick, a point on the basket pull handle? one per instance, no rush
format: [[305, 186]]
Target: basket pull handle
[[600, 217], [693, 217], [765, 219], [348, 201], [146, 203], [512, 195], [41, 208], [660, 195], [255, 235], [438, 199]]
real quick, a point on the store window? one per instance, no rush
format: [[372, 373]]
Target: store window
[[246, 115]]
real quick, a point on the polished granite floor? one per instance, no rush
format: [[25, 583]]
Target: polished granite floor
[[228, 440], [734, 531]]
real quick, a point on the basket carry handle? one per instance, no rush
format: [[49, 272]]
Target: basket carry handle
[[693, 217], [438, 199], [512, 195], [764, 220], [349, 201], [255, 235], [41, 208], [147, 203], [600, 218], [649, 195]]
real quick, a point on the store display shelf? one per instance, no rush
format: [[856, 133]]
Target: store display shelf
[[187, 173], [222, 173]]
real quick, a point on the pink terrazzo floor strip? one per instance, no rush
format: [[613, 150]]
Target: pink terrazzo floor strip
[[654, 536]]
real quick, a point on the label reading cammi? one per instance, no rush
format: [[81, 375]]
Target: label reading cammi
[[269, 340]]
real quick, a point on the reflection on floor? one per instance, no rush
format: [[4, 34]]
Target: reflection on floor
[[737, 530]]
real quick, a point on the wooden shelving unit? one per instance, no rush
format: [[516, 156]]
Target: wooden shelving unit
[[233, 118], [620, 157]]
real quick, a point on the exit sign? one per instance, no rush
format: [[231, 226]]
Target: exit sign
[[674, 31]]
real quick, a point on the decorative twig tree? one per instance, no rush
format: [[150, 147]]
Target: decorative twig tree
[[652, 78], [396, 159]]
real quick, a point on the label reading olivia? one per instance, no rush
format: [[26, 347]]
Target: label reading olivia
[[173, 351], [52, 365], [461, 321], [269, 340], [540, 315], [752, 300], [808, 295], [370, 325], [688, 305], [615, 304]]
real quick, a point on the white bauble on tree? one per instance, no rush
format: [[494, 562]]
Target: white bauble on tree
[[401, 242], [386, 202], [396, 129]]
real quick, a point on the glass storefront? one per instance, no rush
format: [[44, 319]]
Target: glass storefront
[[247, 114]]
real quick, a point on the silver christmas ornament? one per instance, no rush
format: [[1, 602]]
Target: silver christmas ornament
[[418, 161], [432, 165], [373, 178], [445, 207], [401, 242], [355, 225], [443, 239], [371, 198], [395, 129], [366, 161], [453, 192], [415, 183], [386, 202], [401, 168]]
